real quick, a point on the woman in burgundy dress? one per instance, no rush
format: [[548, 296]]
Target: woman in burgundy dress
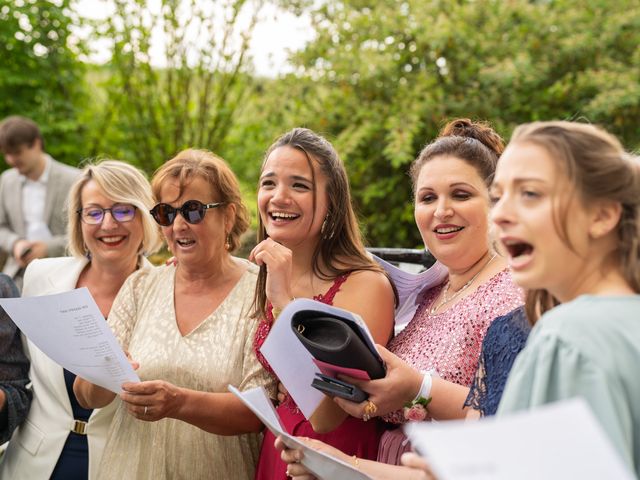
[[310, 246]]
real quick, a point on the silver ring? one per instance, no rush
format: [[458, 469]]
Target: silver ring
[[145, 410]]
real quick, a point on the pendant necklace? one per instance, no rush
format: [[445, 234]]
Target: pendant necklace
[[446, 299]]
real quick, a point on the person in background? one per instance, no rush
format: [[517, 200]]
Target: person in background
[[33, 196], [310, 247], [188, 327], [567, 210], [15, 396], [109, 231]]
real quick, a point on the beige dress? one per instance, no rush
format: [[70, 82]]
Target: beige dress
[[217, 353]]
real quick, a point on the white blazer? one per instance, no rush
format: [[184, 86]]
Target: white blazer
[[36, 445]]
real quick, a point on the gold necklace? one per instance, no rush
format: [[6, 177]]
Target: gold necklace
[[446, 300]]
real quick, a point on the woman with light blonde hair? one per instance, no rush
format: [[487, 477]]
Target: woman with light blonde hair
[[109, 229]]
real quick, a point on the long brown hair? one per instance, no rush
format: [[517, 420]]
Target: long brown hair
[[341, 248], [597, 167]]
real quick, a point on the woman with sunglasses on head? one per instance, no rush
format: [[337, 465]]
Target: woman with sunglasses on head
[[109, 229], [188, 327], [310, 246], [567, 210]]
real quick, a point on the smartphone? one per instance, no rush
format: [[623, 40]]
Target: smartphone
[[25, 252], [337, 388]]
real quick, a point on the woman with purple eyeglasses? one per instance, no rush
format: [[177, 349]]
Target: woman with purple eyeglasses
[[109, 229], [187, 328]]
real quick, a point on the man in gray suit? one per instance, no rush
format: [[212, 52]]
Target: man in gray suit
[[33, 197]]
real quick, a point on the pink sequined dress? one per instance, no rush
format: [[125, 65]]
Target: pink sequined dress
[[353, 436], [448, 342]]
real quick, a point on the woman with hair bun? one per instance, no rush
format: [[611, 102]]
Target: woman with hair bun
[[436, 355]]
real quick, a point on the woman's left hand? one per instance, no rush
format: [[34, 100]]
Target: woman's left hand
[[292, 457], [152, 400]]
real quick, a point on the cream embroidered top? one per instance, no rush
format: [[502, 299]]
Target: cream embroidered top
[[216, 353]]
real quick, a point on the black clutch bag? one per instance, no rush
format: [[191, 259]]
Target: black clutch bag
[[337, 342]]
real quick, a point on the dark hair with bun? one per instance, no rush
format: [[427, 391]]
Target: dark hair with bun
[[473, 142]]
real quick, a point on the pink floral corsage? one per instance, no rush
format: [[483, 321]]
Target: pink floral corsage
[[416, 411]]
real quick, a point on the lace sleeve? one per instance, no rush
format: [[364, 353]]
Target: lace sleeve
[[478, 391], [505, 338]]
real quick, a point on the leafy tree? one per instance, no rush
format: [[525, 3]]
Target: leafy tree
[[40, 74], [150, 113], [381, 78]]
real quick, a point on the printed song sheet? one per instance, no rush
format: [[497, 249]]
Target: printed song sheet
[[555, 442], [70, 329], [322, 465]]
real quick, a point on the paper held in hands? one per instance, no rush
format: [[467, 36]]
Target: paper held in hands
[[323, 466], [294, 364], [556, 442], [70, 329]]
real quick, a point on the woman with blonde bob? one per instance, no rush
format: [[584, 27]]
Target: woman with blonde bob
[[188, 327], [109, 230]]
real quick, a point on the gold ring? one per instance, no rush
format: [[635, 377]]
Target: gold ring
[[370, 408]]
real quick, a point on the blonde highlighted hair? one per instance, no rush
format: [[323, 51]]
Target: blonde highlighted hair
[[122, 183], [192, 163]]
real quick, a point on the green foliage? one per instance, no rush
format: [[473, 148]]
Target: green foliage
[[379, 80], [151, 113], [382, 78], [40, 74]]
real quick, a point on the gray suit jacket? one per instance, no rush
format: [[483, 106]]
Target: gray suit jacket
[[12, 226]]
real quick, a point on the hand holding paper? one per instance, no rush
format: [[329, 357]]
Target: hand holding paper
[[322, 465], [70, 329]]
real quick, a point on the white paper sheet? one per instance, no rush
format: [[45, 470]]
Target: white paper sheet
[[556, 442], [292, 363], [409, 286], [323, 466], [70, 329]]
